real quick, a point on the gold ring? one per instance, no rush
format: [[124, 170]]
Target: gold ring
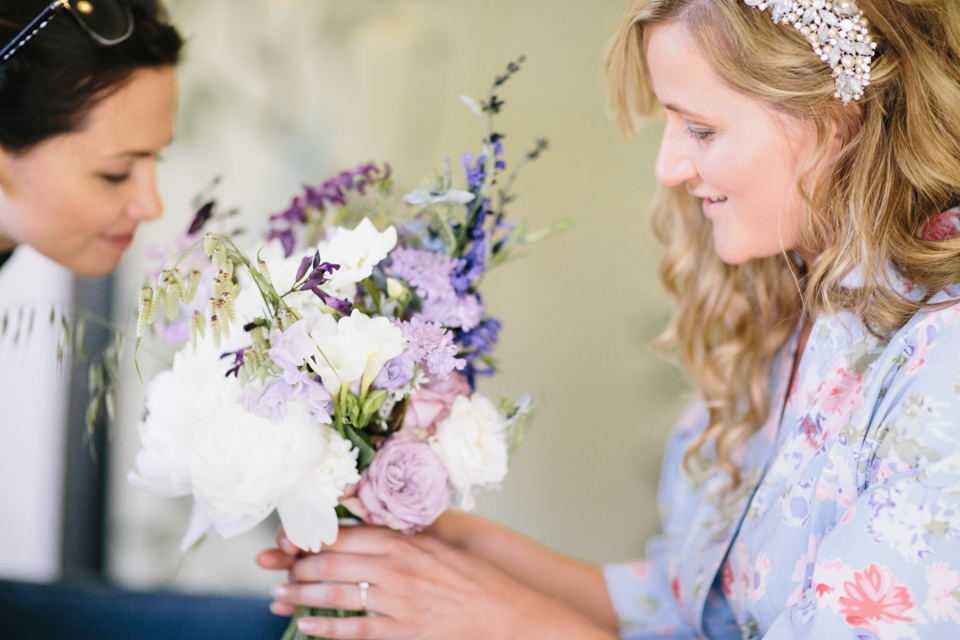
[[363, 595]]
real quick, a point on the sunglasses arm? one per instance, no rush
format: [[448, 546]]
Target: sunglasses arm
[[32, 29]]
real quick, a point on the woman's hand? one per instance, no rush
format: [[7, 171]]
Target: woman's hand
[[421, 588]]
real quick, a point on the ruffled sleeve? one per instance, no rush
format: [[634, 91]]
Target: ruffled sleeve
[[640, 590]]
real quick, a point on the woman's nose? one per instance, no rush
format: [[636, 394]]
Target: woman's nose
[[147, 204], [674, 166]]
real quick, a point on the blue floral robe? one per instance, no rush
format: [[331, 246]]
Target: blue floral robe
[[847, 523]]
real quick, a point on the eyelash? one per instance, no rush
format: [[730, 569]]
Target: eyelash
[[700, 134], [115, 179]]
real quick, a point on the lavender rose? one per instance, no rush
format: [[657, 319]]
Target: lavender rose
[[406, 487], [395, 373]]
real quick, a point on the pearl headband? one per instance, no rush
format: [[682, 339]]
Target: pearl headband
[[837, 31]]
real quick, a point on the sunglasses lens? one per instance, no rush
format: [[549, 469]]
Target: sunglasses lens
[[107, 19]]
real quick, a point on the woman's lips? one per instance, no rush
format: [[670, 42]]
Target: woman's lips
[[711, 207], [119, 241]]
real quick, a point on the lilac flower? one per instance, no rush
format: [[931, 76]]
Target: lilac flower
[[426, 271], [395, 373], [431, 345], [268, 402]]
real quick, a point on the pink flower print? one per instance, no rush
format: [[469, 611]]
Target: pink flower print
[[726, 579], [675, 588], [942, 594], [875, 597], [828, 579], [803, 571], [746, 580], [839, 392], [950, 315], [850, 514], [812, 431], [639, 569]]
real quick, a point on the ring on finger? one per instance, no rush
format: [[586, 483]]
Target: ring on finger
[[363, 595]]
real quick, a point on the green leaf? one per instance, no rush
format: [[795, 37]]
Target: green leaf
[[371, 405], [364, 446], [549, 230]]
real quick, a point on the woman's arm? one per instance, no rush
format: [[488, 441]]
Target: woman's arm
[[578, 585]]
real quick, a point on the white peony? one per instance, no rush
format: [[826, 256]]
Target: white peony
[[472, 443], [357, 251], [243, 467], [177, 404]]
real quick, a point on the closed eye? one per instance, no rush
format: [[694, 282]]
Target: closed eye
[[115, 178]]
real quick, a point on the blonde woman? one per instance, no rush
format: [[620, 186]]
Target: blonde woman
[[811, 163]]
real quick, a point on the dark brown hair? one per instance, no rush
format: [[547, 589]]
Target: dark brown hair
[[50, 85]]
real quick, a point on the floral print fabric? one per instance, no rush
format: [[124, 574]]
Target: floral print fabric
[[847, 523]]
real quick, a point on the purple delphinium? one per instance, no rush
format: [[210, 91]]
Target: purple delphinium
[[478, 343], [433, 347], [333, 192], [395, 373]]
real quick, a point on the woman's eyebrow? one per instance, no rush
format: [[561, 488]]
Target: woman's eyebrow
[[683, 112]]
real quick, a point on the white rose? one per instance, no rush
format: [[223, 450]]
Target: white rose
[[243, 467], [357, 251], [384, 333], [473, 446], [177, 404]]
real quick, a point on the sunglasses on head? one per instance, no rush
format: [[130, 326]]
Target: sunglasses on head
[[109, 22]]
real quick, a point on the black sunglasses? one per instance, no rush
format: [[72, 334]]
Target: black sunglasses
[[109, 22]]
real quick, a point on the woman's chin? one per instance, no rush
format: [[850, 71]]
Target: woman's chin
[[93, 266]]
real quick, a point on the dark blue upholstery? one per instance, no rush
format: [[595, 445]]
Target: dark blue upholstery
[[96, 612]]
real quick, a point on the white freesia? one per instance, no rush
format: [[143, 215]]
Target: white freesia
[[343, 356], [472, 443], [421, 197], [243, 467], [357, 251], [385, 334], [177, 404]]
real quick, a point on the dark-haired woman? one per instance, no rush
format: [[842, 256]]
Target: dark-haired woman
[[87, 103]]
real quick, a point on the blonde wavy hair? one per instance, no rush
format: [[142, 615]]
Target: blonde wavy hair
[[864, 208]]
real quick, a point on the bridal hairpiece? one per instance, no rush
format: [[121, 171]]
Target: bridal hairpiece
[[837, 30]]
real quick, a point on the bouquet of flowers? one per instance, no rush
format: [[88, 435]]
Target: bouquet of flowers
[[330, 372]]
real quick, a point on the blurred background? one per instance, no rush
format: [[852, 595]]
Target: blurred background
[[281, 93]]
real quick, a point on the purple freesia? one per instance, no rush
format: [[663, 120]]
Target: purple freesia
[[395, 373], [312, 396], [406, 488], [292, 347], [268, 402]]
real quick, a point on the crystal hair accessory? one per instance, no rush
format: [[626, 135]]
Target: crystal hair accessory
[[837, 31]]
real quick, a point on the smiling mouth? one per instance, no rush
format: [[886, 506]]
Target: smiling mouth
[[717, 200]]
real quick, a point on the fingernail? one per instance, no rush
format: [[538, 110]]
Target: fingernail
[[280, 591], [305, 625]]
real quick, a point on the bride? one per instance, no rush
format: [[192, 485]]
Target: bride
[[86, 105], [811, 166]]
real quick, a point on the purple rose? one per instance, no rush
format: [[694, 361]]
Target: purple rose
[[395, 373], [267, 402], [406, 487]]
